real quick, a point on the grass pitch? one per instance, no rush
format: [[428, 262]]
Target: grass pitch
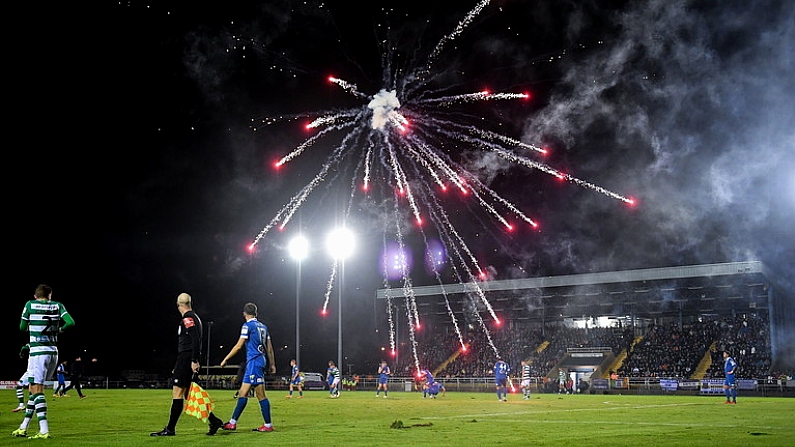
[[358, 418]]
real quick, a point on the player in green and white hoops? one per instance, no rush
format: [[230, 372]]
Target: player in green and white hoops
[[43, 319]]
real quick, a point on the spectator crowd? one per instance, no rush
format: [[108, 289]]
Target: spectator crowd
[[664, 349]]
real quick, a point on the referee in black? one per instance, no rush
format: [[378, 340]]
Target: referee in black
[[188, 355]]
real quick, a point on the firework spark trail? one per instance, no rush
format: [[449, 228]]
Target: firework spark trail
[[597, 188], [351, 88], [367, 162], [447, 101], [437, 160], [327, 120], [329, 286], [453, 240], [512, 157], [392, 344], [452, 36], [442, 217], [472, 278], [286, 212], [408, 288], [450, 313], [423, 160], [330, 283], [480, 186], [330, 121], [412, 338], [407, 132], [472, 180], [391, 320], [402, 182], [506, 139], [487, 333]]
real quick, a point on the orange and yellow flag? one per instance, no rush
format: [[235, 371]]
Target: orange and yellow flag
[[199, 403]]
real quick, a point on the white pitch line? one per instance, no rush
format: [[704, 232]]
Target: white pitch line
[[666, 424], [571, 410]]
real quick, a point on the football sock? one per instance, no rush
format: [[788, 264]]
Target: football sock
[[265, 407], [176, 411], [241, 405]]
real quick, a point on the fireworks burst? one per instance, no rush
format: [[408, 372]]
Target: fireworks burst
[[403, 138]]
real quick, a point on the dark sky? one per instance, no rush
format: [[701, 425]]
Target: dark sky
[[141, 176]]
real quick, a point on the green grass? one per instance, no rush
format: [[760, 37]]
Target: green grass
[[126, 417]]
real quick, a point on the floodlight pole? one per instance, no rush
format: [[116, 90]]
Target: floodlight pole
[[297, 317], [339, 315], [298, 250], [209, 333]]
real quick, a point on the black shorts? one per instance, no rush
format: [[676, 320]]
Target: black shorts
[[183, 371]]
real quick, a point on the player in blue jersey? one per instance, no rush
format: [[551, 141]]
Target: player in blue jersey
[[427, 380], [501, 371], [730, 382], [334, 378], [61, 376], [256, 340], [296, 380], [383, 378], [434, 388]]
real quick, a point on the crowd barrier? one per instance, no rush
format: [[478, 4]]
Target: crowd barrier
[[629, 385]]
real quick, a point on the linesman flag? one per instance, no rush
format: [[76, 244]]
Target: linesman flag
[[199, 403]]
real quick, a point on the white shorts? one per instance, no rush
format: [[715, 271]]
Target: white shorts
[[41, 368], [335, 382], [23, 381], [525, 383]]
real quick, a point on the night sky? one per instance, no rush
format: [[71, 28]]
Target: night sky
[[141, 176]]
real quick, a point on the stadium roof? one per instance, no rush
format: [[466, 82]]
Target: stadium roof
[[716, 289]]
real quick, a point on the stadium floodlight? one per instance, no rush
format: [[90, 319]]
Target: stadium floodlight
[[340, 244], [299, 249]]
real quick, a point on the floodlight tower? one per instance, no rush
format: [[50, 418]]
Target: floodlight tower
[[340, 244]]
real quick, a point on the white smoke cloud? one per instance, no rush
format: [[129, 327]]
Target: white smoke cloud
[[384, 105]]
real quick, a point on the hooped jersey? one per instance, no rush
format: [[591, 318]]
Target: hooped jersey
[[44, 322]]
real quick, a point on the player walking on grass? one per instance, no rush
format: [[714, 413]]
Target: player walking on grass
[[295, 380], [730, 382], [189, 343], [383, 378], [256, 340], [525, 384], [333, 377], [78, 376], [42, 319], [61, 373], [501, 371]]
